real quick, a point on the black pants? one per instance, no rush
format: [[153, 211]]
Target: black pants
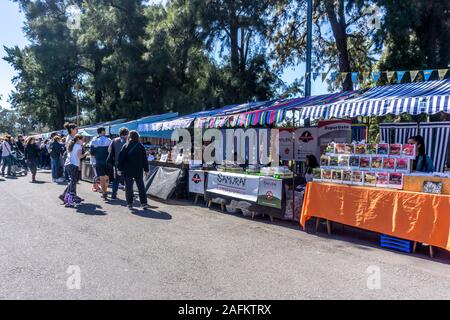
[[73, 172], [32, 164], [129, 181]]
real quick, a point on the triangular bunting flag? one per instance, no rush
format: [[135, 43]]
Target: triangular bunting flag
[[442, 73], [413, 74], [355, 77], [333, 75], [344, 75], [324, 76], [389, 75], [376, 75], [365, 75], [315, 75], [427, 74], [400, 75]]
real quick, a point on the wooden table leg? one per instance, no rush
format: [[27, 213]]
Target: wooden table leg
[[431, 252], [196, 199], [414, 247], [209, 203], [222, 206], [317, 224], [328, 226]]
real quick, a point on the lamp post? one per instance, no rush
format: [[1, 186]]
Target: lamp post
[[308, 49], [77, 88]]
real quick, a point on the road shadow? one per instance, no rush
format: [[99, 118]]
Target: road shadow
[[151, 214], [123, 203], [90, 209], [38, 182], [11, 177]]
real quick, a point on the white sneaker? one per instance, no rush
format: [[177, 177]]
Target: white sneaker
[[59, 180]]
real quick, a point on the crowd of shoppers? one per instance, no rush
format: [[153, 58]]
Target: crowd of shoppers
[[124, 159]]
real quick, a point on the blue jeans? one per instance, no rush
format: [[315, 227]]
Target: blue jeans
[[116, 182], [55, 168]]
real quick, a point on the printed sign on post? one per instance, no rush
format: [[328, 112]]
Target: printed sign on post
[[269, 193], [286, 144], [306, 143], [233, 185], [197, 181]]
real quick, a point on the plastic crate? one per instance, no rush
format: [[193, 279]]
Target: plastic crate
[[395, 243]]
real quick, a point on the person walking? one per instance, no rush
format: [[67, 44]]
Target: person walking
[[132, 164], [72, 165], [56, 151], [113, 159], [31, 151], [99, 150], [7, 149]]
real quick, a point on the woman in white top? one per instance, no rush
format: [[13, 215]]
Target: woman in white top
[[72, 166], [6, 155]]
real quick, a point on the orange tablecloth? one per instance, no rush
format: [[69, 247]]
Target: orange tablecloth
[[408, 215]]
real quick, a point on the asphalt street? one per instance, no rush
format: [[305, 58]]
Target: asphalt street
[[182, 251]]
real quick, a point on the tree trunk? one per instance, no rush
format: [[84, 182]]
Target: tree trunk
[[338, 27]]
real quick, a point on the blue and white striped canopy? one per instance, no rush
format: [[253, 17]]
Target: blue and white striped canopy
[[414, 98]]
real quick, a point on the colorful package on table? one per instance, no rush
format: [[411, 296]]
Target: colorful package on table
[[389, 163], [370, 178], [382, 179], [348, 148], [371, 148], [354, 162], [383, 149], [334, 161], [330, 149], [347, 176], [357, 178], [317, 174], [360, 148], [324, 161], [364, 162], [395, 149], [344, 161], [377, 163], [402, 165], [326, 174], [396, 180], [340, 148], [336, 176], [409, 150]]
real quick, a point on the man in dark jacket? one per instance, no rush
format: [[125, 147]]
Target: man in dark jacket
[[56, 151], [132, 164], [113, 158]]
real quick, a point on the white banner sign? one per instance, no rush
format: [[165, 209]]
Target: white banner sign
[[306, 143], [234, 185], [286, 144], [197, 181]]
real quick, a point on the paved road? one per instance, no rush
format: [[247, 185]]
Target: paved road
[[181, 251]]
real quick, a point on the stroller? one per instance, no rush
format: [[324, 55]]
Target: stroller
[[18, 166]]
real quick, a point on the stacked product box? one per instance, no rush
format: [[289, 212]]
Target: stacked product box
[[368, 164]]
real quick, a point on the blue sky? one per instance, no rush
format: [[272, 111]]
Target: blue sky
[[11, 23]]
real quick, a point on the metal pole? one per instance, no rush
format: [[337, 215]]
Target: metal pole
[[308, 49], [77, 88]]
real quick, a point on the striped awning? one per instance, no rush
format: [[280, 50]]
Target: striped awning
[[429, 97]]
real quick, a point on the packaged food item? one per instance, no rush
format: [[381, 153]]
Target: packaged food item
[[330, 149], [434, 187], [364, 163], [357, 178], [395, 149], [409, 150], [344, 161], [348, 148], [324, 161], [383, 149], [340, 148], [377, 163], [326, 174], [396, 180], [371, 148], [282, 172], [354, 162], [317, 174], [334, 161], [389, 163], [360, 148], [347, 176], [402, 165], [336, 176], [382, 179], [370, 178]]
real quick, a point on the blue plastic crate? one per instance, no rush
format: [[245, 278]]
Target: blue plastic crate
[[395, 243]]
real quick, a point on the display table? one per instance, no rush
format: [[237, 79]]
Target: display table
[[408, 215]]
